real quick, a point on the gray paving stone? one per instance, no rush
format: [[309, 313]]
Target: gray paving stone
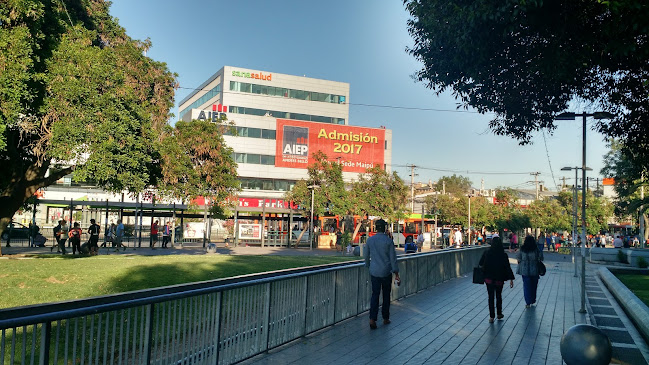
[[610, 322], [448, 324], [603, 310]]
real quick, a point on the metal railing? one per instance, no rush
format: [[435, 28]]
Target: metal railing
[[214, 322]]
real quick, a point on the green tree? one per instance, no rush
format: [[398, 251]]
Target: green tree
[[598, 211], [78, 96], [549, 215], [379, 193], [526, 61], [195, 161], [452, 210], [330, 196], [456, 184], [629, 180]]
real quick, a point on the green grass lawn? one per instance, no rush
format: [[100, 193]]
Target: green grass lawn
[[25, 281], [639, 285]]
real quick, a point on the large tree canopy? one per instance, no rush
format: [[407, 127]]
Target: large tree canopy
[[78, 96], [527, 60]]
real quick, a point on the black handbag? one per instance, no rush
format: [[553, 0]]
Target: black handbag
[[541, 268], [478, 275]]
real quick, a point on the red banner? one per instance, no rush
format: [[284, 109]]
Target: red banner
[[270, 203], [357, 148]]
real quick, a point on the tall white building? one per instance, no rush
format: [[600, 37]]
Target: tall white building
[[281, 120]]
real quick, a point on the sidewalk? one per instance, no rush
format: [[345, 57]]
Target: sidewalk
[[447, 324], [187, 250]]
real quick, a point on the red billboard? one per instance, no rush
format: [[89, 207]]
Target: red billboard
[[357, 148]]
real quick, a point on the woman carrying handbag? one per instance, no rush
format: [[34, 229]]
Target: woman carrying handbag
[[497, 270], [529, 258]]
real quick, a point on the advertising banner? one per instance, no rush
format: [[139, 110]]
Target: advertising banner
[[250, 231], [357, 148], [193, 230]]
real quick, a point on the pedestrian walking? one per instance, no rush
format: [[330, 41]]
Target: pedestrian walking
[[495, 264], [541, 242], [166, 234], [528, 262], [513, 241], [381, 259], [75, 238], [110, 234], [458, 238], [119, 236], [93, 231], [154, 234]]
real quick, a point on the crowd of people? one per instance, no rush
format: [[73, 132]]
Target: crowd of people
[[73, 236]]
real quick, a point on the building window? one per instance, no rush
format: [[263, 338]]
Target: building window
[[245, 87], [266, 184], [251, 132], [285, 115], [203, 99], [253, 158]]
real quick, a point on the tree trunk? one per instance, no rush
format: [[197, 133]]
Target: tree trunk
[[22, 186]]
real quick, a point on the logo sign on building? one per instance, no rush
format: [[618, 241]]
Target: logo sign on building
[[253, 75], [217, 112], [356, 148]]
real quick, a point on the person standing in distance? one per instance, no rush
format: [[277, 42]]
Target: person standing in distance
[[75, 238], [154, 234], [381, 259], [93, 231]]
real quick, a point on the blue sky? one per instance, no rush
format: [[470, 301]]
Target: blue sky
[[361, 42]]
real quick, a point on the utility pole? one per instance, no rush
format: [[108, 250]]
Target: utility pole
[[536, 182], [564, 182], [412, 187], [643, 242]]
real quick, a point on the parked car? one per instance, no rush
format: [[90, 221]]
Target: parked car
[[17, 230]]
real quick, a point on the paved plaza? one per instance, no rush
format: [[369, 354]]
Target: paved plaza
[[448, 323]]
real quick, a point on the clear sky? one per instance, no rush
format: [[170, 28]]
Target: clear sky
[[363, 43]]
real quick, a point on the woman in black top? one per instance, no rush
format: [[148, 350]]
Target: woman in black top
[[497, 270]]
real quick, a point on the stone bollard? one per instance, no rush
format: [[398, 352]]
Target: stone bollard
[[585, 344]]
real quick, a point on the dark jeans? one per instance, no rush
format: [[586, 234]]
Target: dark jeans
[[76, 246], [165, 240], [92, 243], [497, 291], [380, 284], [529, 288]]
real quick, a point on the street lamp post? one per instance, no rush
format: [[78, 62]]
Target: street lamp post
[[574, 212], [311, 233], [469, 228], [572, 116]]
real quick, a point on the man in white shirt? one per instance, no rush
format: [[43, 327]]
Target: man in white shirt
[[458, 238], [617, 242]]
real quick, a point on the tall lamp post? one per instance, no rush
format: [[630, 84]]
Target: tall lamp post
[[469, 228], [572, 116], [311, 233], [574, 212]]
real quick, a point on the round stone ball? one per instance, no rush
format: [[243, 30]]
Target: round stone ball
[[585, 344]]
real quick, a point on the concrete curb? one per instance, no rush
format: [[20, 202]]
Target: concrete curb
[[634, 307]]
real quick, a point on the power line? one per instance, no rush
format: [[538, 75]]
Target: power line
[[547, 153], [468, 172]]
